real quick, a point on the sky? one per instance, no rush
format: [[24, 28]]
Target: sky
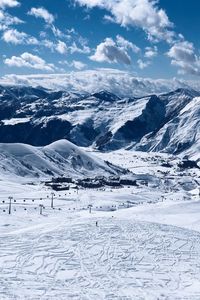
[[149, 38]]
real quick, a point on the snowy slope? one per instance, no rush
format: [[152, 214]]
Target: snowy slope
[[59, 158], [84, 120], [134, 121], [134, 244], [179, 135]]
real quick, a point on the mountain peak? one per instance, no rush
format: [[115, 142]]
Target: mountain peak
[[106, 96]]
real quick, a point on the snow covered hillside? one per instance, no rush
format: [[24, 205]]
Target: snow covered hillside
[[180, 135], [57, 159]]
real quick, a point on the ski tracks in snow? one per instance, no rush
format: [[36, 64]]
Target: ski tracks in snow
[[117, 260]]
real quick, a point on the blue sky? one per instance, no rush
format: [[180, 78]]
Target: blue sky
[[157, 39]]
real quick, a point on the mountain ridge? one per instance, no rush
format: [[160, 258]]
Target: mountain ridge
[[103, 120], [57, 159]]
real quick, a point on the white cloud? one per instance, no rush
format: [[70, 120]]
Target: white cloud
[[42, 13], [147, 15], [61, 47], [151, 52], [183, 56], [30, 61], [75, 49], [109, 19], [6, 20], [144, 14], [57, 32], [13, 36], [78, 65], [124, 44], [143, 64], [48, 44], [74, 41], [119, 82], [8, 3], [32, 41], [108, 51], [16, 37]]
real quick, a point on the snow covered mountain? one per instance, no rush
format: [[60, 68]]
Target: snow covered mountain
[[180, 135], [164, 122], [57, 159]]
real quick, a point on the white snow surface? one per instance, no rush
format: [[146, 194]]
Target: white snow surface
[[146, 245], [183, 130], [59, 158], [15, 121]]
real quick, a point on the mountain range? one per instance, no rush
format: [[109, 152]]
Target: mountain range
[[166, 122]]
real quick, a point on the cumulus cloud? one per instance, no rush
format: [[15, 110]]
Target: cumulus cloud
[[30, 61], [57, 32], [48, 44], [13, 36], [8, 3], [76, 49], [109, 51], [126, 45], [144, 14], [143, 64], [61, 47], [151, 52], [183, 56], [78, 65], [42, 13], [147, 15], [16, 37], [69, 41], [7, 20]]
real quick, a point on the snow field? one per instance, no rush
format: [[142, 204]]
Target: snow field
[[144, 247], [74, 259]]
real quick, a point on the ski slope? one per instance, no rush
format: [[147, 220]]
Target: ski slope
[[143, 247], [118, 259]]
